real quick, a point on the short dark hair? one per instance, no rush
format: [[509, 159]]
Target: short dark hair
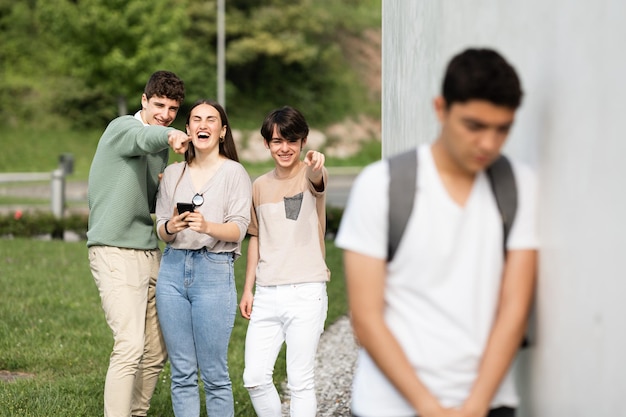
[[165, 84], [481, 74], [290, 122], [227, 147]]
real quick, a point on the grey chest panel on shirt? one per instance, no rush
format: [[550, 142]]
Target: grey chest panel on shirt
[[293, 205]]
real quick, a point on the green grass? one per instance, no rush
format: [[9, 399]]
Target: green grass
[[38, 151], [5, 200], [52, 326]]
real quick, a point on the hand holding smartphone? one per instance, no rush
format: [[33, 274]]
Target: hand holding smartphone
[[183, 207]]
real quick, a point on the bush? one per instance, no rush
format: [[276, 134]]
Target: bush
[[333, 219], [29, 224]]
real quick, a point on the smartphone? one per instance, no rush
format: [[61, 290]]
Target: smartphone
[[183, 207]]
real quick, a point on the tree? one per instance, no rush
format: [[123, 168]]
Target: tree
[[281, 52], [81, 60], [24, 64], [110, 47]]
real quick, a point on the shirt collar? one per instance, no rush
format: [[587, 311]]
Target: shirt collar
[[138, 117]]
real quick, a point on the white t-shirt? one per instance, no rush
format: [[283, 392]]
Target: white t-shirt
[[443, 284]]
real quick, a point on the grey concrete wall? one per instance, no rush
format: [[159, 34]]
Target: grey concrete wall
[[570, 55]]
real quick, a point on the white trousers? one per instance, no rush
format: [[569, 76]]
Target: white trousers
[[293, 314]]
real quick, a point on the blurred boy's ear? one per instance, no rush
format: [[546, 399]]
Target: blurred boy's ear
[[441, 107]]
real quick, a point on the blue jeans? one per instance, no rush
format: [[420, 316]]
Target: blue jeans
[[196, 302]]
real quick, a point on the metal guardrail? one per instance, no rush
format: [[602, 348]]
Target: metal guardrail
[[9, 177], [56, 178]]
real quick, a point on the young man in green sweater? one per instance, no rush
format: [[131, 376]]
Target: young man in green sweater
[[123, 251]]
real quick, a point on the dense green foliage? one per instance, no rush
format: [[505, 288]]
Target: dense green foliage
[[52, 329], [78, 63]]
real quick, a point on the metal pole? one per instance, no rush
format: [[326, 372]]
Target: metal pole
[[57, 185], [221, 42]]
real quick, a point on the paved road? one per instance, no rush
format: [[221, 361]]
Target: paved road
[[339, 186]]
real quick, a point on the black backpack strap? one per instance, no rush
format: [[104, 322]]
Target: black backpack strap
[[504, 188], [402, 183]]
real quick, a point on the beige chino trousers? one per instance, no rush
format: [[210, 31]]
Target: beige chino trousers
[[126, 281]]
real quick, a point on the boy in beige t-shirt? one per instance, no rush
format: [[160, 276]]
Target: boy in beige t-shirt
[[286, 262]]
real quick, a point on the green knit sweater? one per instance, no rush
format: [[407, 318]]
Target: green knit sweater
[[123, 182]]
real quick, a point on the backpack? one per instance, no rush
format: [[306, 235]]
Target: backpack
[[402, 183]]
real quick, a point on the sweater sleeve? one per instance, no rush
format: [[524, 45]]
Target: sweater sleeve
[[129, 137]]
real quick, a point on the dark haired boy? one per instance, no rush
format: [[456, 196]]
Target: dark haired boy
[[440, 323], [123, 252], [286, 264]]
